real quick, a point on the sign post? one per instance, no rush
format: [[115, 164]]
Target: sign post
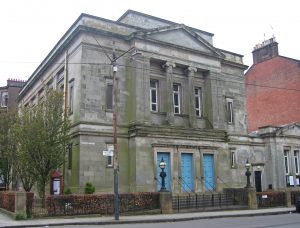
[[109, 152]]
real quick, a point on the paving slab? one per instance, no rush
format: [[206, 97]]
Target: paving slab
[[6, 221]]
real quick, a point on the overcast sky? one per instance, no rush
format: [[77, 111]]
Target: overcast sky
[[30, 28]]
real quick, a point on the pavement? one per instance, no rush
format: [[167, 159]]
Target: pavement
[[6, 221]]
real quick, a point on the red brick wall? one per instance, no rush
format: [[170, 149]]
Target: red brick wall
[[266, 104], [7, 200]]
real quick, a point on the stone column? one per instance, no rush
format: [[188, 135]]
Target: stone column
[[252, 199], [191, 90], [165, 200], [168, 66], [288, 199], [20, 203]]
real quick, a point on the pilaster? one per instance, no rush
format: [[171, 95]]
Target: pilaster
[[191, 90], [168, 66]]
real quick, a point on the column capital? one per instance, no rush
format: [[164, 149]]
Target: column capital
[[191, 70], [168, 66]]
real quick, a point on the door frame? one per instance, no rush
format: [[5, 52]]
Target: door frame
[[180, 168], [212, 151], [260, 180], [155, 165]]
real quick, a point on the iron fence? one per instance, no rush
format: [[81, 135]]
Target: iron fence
[[295, 195], [202, 202], [270, 199]]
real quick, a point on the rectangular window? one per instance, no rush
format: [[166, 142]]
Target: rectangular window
[[232, 159], [176, 98], [50, 85], [286, 162], [70, 150], [153, 96], [296, 162], [41, 96], [61, 88], [4, 99], [60, 75], [33, 102], [109, 96], [198, 101], [71, 96], [2, 180], [229, 109], [289, 178]]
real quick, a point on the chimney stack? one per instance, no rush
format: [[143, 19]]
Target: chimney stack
[[265, 51]]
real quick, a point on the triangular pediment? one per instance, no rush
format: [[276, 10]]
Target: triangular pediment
[[141, 20], [182, 36], [290, 130]]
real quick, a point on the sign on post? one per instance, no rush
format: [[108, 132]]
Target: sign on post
[[109, 151]]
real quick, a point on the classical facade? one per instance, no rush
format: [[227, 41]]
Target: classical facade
[[280, 166], [178, 98]]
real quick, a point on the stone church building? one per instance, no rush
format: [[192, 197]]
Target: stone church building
[[179, 98]]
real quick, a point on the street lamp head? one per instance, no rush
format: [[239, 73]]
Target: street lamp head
[[247, 165], [162, 164], [248, 173]]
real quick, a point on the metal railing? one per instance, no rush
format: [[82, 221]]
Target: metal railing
[[189, 200], [270, 199], [295, 195], [202, 202]]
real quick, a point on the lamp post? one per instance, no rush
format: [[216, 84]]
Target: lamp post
[[248, 173], [163, 175]]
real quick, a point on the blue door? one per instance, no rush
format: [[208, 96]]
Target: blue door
[[166, 157], [209, 173], [187, 175]]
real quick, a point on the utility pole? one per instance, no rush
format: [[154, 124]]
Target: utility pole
[[113, 62], [115, 141]]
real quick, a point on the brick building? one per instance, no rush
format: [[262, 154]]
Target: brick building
[[272, 87], [9, 94]]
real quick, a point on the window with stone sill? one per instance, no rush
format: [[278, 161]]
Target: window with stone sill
[[296, 162], [71, 97], [232, 159], [50, 85], [177, 98], [297, 167], [286, 161], [4, 99], [154, 95], [287, 171], [198, 101], [229, 110], [60, 75]]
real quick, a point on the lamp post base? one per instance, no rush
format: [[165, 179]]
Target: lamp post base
[[163, 190]]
